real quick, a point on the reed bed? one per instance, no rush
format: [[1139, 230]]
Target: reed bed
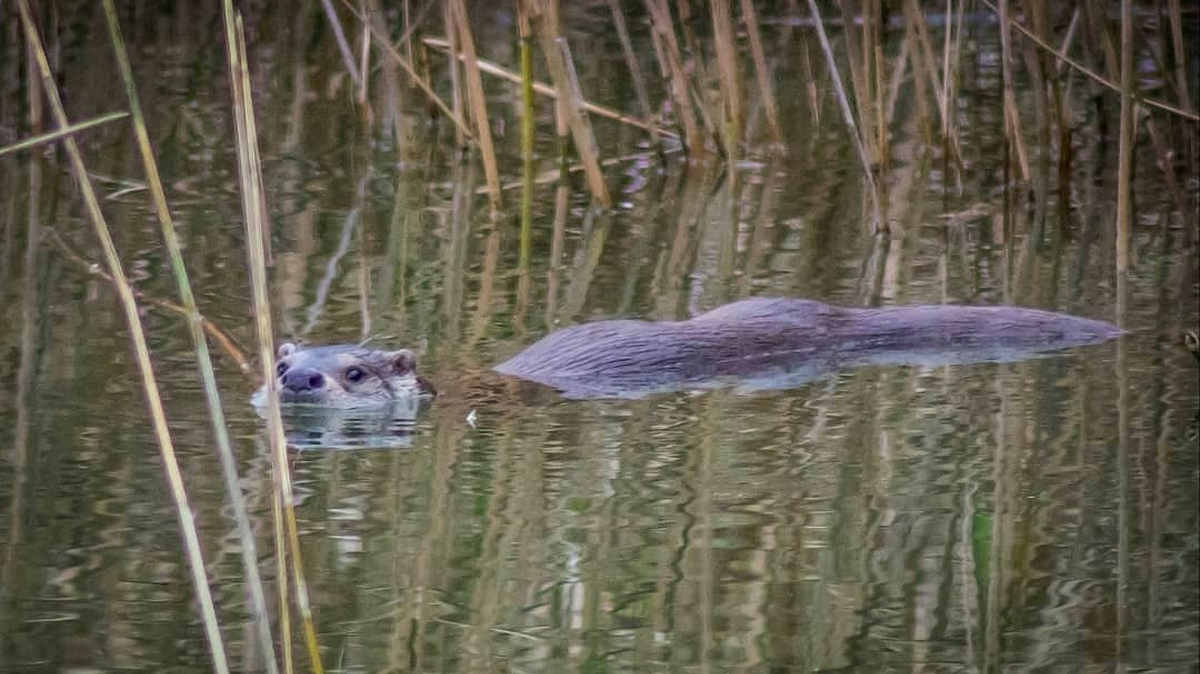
[[713, 73], [137, 336]]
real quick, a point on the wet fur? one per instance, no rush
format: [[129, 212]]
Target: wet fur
[[761, 337], [769, 341]]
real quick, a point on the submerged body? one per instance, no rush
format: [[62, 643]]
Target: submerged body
[[760, 342], [772, 342]]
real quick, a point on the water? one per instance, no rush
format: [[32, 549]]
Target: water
[[1038, 515]]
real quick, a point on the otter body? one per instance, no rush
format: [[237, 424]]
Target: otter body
[[760, 342], [775, 342]]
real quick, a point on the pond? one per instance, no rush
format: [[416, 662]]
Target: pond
[[1038, 514]]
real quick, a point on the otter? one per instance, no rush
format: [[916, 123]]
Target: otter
[[757, 342], [343, 375]]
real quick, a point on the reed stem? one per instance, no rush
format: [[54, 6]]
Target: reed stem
[[848, 116], [191, 539], [476, 101], [1125, 148], [254, 213], [55, 136], [195, 322]]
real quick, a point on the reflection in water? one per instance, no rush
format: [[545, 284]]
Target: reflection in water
[[313, 426], [915, 514]]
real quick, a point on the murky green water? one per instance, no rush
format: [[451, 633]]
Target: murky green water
[[1038, 515]]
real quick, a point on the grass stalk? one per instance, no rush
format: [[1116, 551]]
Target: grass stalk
[[281, 582], [254, 212], [1125, 147], [858, 78], [635, 70], [191, 539], [727, 75], [211, 329], [57, 135], [364, 63], [558, 238], [1181, 83], [761, 72], [1091, 74], [453, 111], [873, 51], [195, 322], [455, 66], [339, 35], [848, 115], [562, 71], [547, 90], [551, 16], [528, 131], [810, 88], [476, 101], [671, 66], [1012, 116]]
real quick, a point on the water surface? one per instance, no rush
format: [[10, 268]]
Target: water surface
[[1038, 515]]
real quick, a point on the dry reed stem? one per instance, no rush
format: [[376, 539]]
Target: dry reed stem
[[548, 90], [562, 67], [1181, 82], [364, 64], [671, 65], [558, 237], [196, 323], [550, 16], [477, 102], [1186, 113], [635, 70], [848, 115], [727, 75], [456, 86], [339, 35], [1012, 115], [454, 111], [761, 72], [927, 64], [814, 105], [55, 136], [874, 52], [254, 213], [212, 329], [281, 581], [1125, 147], [191, 539], [528, 133], [856, 56]]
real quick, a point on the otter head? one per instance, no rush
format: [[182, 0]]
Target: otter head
[[346, 376]]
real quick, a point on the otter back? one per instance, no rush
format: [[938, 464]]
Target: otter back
[[777, 342]]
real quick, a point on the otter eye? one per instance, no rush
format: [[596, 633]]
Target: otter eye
[[280, 368], [355, 375]]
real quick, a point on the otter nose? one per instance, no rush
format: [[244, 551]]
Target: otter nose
[[302, 379]]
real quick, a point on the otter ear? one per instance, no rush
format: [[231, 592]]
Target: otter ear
[[286, 349], [403, 361]]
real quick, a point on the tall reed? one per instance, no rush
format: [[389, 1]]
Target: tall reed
[[1125, 147], [195, 324], [137, 336], [475, 98], [255, 215], [635, 69], [876, 200], [666, 48]]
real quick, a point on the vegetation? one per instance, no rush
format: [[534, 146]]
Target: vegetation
[[708, 95]]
